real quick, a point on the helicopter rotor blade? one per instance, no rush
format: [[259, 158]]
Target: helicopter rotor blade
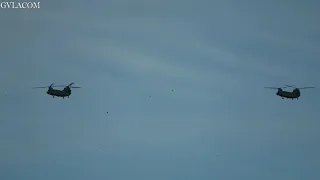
[[299, 87], [45, 86], [306, 88], [270, 87], [70, 84], [40, 87], [290, 85], [274, 87]]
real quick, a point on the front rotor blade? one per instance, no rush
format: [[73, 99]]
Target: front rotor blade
[[74, 87], [40, 87], [270, 87], [50, 86]]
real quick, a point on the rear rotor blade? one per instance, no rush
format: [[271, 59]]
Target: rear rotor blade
[[299, 87], [306, 88], [70, 86], [291, 86]]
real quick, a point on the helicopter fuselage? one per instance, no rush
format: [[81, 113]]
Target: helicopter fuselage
[[295, 94], [59, 93]]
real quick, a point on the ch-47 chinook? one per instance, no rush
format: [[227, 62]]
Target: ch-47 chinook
[[294, 94], [66, 92]]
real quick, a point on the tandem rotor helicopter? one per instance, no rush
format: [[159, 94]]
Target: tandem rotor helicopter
[[66, 92], [294, 94]]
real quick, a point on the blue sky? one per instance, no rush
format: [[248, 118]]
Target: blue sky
[[218, 123]]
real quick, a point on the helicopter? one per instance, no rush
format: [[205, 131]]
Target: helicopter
[[66, 92], [295, 94]]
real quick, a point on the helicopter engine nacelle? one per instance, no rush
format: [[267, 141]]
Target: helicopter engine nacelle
[[297, 92], [279, 90], [49, 91], [67, 89]]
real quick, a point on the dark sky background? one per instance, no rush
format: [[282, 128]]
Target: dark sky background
[[218, 123]]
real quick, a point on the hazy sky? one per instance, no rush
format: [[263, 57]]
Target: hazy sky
[[218, 123]]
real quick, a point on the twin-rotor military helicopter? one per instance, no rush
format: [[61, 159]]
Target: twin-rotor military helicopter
[[294, 94], [66, 92]]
